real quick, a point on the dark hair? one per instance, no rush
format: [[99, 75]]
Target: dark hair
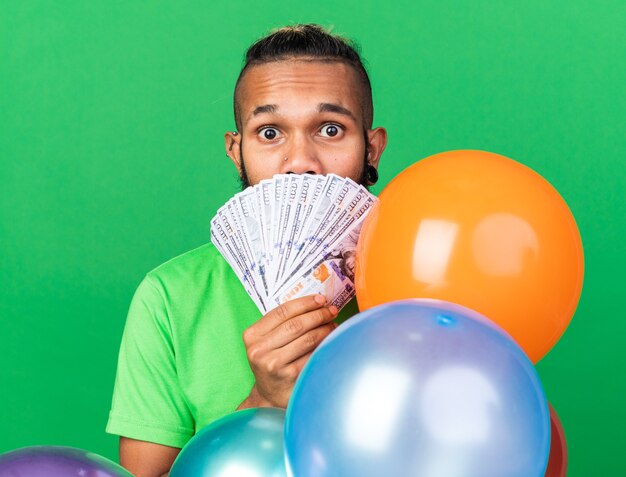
[[308, 41]]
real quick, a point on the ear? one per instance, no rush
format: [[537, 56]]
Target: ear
[[377, 141], [232, 144]]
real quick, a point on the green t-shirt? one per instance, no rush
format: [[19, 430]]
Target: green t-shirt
[[182, 361]]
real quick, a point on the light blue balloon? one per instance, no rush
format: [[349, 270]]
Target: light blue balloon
[[246, 443], [420, 388]]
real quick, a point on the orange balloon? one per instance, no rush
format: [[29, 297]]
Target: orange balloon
[[557, 461], [481, 230]]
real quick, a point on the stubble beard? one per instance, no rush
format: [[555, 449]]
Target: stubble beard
[[244, 181]]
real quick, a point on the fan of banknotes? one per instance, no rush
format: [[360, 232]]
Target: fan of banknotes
[[293, 235]]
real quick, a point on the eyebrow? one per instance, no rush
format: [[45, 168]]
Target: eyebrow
[[334, 108], [322, 108], [266, 108]]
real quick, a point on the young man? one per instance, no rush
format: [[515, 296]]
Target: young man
[[303, 104]]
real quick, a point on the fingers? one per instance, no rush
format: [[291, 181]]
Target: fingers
[[285, 363], [286, 311], [299, 325], [295, 367], [305, 344], [289, 340]]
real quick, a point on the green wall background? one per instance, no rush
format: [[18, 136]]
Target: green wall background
[[111, 162]]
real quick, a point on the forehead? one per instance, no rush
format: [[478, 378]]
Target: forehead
[[299, 83]]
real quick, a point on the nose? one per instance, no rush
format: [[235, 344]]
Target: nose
[[301, 156]]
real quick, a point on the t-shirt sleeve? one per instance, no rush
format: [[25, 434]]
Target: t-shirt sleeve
[[148, 403]]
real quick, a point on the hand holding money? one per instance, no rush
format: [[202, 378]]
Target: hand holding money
[[279, 345]]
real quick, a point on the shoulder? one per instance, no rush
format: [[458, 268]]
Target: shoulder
[[205, 256], [191, 266], [196, 279]]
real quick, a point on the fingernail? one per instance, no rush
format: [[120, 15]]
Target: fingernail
[[333, 309], [321, 299]]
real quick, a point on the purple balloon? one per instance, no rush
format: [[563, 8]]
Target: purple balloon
[[57, 461]]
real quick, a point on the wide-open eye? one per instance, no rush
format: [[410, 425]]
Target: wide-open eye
[[268, 133], [331, 130]]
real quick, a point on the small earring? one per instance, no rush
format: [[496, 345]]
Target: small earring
[[372, 174], [235, 133], [285, 159]]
